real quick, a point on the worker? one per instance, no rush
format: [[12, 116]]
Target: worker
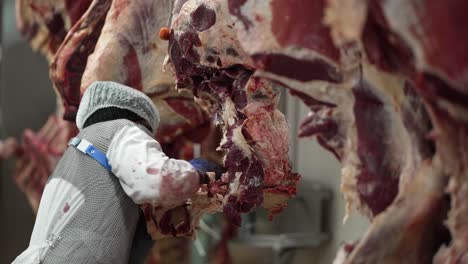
[[89, 209]]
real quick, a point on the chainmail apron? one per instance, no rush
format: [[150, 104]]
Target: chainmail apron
[[103, 228]]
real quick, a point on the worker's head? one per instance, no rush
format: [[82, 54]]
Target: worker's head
[[104, 101]]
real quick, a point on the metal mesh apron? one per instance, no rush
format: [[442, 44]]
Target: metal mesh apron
[[102, 230]]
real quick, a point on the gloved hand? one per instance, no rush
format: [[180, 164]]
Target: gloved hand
[[203, 166]]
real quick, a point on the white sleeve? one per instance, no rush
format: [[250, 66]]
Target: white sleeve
[[146, 174]]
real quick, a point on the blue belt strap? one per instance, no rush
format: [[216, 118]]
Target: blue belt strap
[[86, 147]]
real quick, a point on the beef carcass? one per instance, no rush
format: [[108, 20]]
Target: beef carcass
[[450, 135], [45, 23], [38, 155], [367, 108], [423, 41], [69, 62], [135, 49], [410, 230], [355, 109], [206, 56]]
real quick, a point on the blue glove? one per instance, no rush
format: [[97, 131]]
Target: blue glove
[[203, 166]]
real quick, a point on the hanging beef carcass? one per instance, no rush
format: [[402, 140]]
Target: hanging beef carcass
[[413, 35], [360, 114], [406, 79], [45, 23], [370, 98], [37, 155], [206, 57]]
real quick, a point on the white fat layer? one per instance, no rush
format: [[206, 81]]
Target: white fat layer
[[389, 84], [240, 142], [325, 91], [403, 18], [351, 168], [234, 186], [456, 111], [229, 112], [456, 221], [265, 41], [229, 116], [346, 20], [112, 45]]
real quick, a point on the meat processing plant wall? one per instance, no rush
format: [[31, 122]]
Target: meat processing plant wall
[[26, 101]]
